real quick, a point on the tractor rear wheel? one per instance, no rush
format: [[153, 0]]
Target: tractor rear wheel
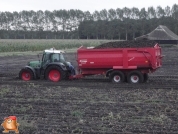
[[26, 74], [117, 77], [54, 73], [135, 77]]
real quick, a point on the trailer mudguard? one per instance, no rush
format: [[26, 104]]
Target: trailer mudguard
[[108, 72]]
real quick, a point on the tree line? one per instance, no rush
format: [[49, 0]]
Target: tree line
[[123, 24]]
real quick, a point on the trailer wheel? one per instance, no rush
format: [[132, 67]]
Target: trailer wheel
[[145, 75], [117, 77], [135, 77], [54, 73], [26, 74]]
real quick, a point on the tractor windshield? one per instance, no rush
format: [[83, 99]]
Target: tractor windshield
[[58, 57], [53, 57]]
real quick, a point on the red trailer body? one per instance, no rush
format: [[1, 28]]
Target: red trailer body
[[119, 60]]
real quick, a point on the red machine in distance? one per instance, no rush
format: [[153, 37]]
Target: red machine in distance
[[127, 61], [119, 64]]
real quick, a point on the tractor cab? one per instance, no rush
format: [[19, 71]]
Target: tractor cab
[[48, 56], [52, 55]]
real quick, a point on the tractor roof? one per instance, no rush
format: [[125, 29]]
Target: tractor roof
[[53, 50]]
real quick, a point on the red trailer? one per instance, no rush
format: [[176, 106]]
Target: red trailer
[[119, 64]]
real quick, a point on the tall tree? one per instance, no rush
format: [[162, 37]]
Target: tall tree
[[80, 18], [48, 19], [72, 21], [103, 14], [103, 28], [3, 20], [112, 14], [39, 22], [112, 29], [151, 13], [119, 14], [88, 16], [134, 13], [6, 20], [143, 17], [175, 16], [25, 21], [65, 18], [16, 23], [175, 11], [96, 16], [167, 11], [32, 22], [160, 12], [126, 14], [61, 18]]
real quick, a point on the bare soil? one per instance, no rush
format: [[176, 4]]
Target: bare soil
[[92, 104]]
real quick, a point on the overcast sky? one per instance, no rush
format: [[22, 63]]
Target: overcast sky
[[84, 5]]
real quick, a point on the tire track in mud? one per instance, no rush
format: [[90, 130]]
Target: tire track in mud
[[156, 82]]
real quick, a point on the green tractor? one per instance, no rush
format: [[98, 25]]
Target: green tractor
[[52, 67]]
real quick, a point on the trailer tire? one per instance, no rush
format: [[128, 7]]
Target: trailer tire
[[54, 73], [145, 75], [135, 77], [26, 74], [117, 77]]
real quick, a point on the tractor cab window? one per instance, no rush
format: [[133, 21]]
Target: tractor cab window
[[57, 57], [45, 57], [61, 57]]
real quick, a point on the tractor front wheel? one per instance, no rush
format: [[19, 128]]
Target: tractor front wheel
[[26, 74]]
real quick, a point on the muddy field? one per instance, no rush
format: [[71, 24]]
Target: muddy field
[[93, 104]]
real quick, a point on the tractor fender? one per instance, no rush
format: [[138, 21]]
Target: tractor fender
[[61, 65], [32, 69]]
